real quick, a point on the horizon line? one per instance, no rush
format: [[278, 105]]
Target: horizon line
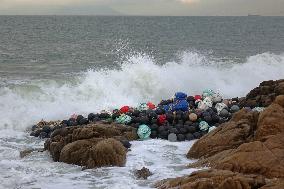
[[126, 15]]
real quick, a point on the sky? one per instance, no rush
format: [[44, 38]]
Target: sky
[[143, 7]]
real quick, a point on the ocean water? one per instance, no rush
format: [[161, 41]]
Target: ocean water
[[54, 66]]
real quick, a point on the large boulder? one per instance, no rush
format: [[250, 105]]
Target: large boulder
[[93, 145], [108, 152], [228, 136]]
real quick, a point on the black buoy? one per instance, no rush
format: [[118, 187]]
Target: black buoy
[[180, 137], [79, 117], [43, 135], [34, 127], [154, 127], [125, 143], [189, 136], [154, 134], [174, 130], [197, 135], [91, 116], [71, 122], [191, 129], [46, 129], [83, 121], [183, 130]]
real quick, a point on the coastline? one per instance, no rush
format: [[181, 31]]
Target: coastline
[[263, 95]]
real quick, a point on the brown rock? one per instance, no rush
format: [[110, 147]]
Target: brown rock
[[263, 95], [108, 152], [265, 158], [227, 136], [143, 173], [271, 121], [77, 152], [26, 152], [279, 89], [87, 146], [213, 179], [274, 184]]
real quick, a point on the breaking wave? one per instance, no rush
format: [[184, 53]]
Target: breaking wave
[[139, 79]]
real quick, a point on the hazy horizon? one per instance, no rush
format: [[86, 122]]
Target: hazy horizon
[[143, 7]]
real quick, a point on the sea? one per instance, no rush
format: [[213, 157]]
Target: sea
[[54, 66]]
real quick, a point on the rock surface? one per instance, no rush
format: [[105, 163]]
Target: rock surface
[[27, 152], [230, 135], [213, 179], [274, 184], [94, 145], [143, 173], [271, 121], [264, 94]]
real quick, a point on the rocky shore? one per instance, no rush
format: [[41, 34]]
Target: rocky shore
[[246, 152], [240, 144]]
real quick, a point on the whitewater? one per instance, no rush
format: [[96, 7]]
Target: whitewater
[[138, 79]]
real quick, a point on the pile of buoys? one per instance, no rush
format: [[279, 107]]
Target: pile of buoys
[[181, 118]]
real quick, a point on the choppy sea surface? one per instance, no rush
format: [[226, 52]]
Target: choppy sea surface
[[54, 66]]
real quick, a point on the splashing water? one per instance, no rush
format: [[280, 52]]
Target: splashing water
[[139, 79]]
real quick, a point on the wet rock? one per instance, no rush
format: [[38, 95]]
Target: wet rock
[[35, 133], [77, 144], [213, 179], [143, 173], [108, 152], [26, 152]]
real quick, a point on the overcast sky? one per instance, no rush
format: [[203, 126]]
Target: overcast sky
[[143, 7]]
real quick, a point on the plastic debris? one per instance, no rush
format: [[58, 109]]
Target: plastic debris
[[144, 132]]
